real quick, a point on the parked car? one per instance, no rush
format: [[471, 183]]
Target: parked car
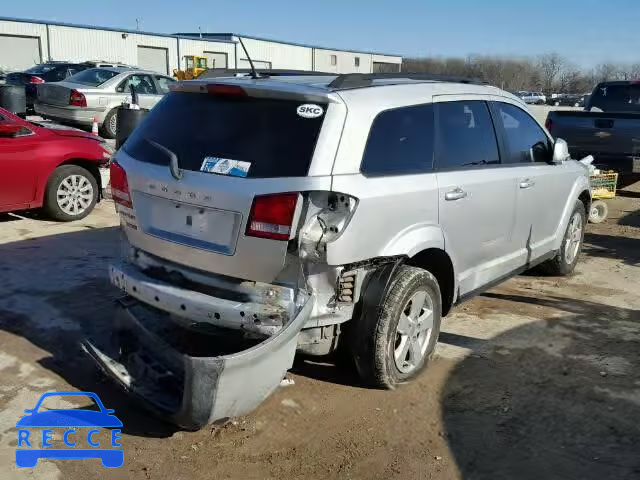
[[97, 93], [54, 168], [49, 72], [307, 213], [566, 100], [608, 128], [3, 77], [535, 98]]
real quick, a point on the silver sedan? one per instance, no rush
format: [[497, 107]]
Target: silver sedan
[[97, 93]]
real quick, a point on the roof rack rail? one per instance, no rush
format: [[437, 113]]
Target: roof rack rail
[[357, 80], [262, 72]]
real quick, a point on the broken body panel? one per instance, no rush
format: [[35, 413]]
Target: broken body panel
[[191, 269]]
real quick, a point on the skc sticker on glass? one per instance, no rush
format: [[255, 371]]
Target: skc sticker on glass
[[225, 166]]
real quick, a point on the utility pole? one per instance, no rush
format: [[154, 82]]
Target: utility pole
[[137, 24]]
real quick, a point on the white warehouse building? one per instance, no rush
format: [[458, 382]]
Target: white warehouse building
[[24, 43]]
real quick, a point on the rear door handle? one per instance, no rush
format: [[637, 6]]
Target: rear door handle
[[455, 194], [527, 183]]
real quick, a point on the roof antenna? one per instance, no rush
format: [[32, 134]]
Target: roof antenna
[[254, 74]]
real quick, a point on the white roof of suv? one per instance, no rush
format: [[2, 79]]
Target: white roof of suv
[[400, 89]]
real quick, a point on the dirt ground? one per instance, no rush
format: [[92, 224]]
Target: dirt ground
[[536, 379]]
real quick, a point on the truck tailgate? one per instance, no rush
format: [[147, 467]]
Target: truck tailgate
[[597, 133]]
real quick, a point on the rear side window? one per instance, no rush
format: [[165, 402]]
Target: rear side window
[[465, 135], [269, 134], [93, 77], [526, 142], [400, 142], [617, 97], [57, 75], [142, 84]]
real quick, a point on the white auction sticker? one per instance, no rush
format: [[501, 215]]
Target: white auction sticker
[[310, 110]]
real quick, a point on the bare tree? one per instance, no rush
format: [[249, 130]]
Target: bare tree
[[549, 65], [605, 72], [550, 73]]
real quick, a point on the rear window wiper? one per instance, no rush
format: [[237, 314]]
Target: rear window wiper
[[174, 166]]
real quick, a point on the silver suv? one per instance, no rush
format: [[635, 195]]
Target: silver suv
[[264, 216]]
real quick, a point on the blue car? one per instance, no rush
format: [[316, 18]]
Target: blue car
[[28, 457]]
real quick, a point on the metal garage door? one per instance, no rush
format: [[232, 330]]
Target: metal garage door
[[216, 59], [153, 58], [19, 53]]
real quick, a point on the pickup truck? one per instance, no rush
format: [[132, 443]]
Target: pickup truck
[[608, 128]]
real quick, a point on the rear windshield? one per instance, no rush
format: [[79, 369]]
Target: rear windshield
[[617, 97], [93, 77], [41, 69], [268, 137]]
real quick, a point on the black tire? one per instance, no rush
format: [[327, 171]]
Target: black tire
[[378, 335], [55, 183], [599, 211], [109, 129], [560, 264]]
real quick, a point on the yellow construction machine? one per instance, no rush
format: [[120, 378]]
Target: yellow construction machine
[[194, 67]]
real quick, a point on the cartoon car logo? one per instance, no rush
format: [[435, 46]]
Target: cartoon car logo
[[28, 457]]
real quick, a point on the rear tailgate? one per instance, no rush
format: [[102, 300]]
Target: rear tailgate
[[597, 132], [228, 151], [18, 78]]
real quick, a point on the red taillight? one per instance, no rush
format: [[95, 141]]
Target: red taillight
[[34, 79], [272, 215], [548, 124], [77, 99], [119, 185], [226, 90]]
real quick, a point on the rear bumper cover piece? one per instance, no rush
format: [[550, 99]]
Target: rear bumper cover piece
[[147, 356]]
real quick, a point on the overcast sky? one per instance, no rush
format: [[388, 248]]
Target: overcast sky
[[587, 31]]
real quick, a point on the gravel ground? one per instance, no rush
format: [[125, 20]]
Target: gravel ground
[[535, 379]]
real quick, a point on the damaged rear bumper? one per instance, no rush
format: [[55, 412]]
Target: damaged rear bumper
[[194, 379]]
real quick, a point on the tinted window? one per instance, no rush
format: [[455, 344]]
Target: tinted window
[[400, 142], [465, 135], [616, 97], [40, 69], [267, 133], [163, 83], [93, 77], [143, 84], [56, 75], [525, 140]]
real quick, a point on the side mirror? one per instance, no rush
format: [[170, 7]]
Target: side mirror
[[9, 130], [560, 151]]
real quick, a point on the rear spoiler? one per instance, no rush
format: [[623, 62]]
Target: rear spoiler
[[258, 88]]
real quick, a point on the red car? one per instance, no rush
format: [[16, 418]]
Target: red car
[[50, 167]]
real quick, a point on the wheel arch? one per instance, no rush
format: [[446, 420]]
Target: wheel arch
[[438, 262], [585, 198]]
